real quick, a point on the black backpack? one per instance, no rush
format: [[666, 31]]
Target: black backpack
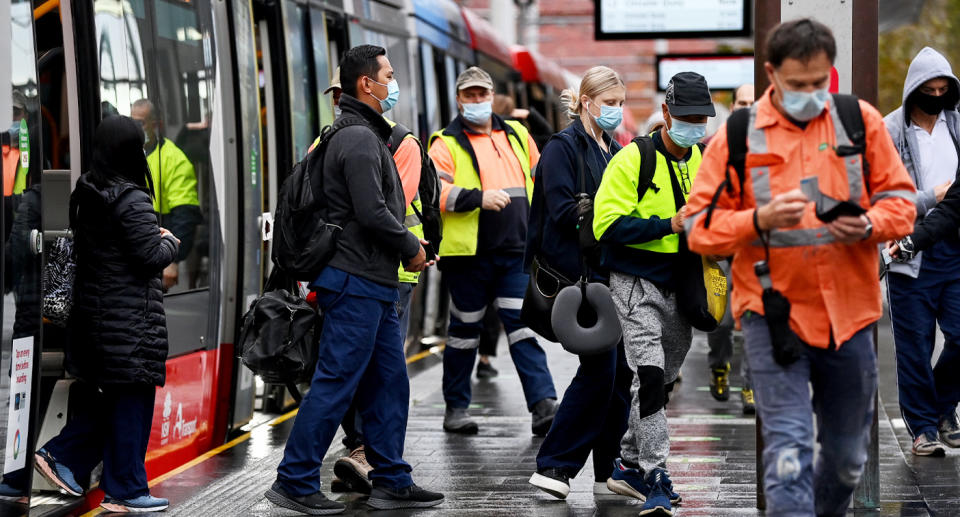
[[429, 190], [848, 109], [304, 239]]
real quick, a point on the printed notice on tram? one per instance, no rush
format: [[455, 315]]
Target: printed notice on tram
[[18, 415], [653, 18]]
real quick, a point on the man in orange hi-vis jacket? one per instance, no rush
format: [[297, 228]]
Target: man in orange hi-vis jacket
[[803, 222]]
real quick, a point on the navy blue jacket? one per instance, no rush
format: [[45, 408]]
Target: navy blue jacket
[[552, 232]]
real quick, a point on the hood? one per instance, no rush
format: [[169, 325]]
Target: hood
[[929, 64]]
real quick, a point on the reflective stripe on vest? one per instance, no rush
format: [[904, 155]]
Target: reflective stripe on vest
[[413, 223], [461, 229], [760, 180], [660, 202]]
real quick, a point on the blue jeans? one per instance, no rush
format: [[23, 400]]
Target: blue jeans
[[360, 357], [592, 416], [844, 386], [917, 305], [476, 282]]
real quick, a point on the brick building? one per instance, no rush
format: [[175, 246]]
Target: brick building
[[563, 30]]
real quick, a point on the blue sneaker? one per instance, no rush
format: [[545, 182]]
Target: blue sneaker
[[668, 485], [658, 499], [56, 473], [15, 495], [143, 504], [627, 481]]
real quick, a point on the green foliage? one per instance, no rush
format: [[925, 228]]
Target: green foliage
[[938, 27]]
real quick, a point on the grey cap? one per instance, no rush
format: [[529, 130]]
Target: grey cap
[[474, 76], [334, 83]]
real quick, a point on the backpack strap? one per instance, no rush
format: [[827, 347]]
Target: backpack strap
[[648, 165], [848, 109], [397, 134], [737, 126]]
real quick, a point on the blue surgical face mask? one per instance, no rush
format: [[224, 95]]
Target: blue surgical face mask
[[478, 113], [804, 106], [686, 134], [610, 117], [393, 95]]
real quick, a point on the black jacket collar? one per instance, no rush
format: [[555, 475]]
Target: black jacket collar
[[353, 107], [581, 132]]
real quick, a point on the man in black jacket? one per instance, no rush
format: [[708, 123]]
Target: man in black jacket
[[360, 348], [942, 222]]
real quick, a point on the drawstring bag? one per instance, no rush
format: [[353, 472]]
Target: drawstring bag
[[58, 276]]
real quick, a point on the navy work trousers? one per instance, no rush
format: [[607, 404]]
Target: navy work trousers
[[474, 283], [351, 423], [917, 305], [844, 385], [114, 428], [360, 355], [592, 416]]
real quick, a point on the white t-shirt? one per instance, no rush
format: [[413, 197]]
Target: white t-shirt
[[938, 155]]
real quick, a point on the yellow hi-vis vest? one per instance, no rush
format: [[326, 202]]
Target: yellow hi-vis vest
[[461, 229], [618, 197], [174, 180]]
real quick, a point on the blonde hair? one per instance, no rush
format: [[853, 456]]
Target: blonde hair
[[595, 81]]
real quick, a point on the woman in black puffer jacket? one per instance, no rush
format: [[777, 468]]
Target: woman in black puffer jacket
[[118, 334]]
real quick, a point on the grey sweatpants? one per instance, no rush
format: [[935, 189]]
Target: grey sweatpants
[[656, 340]]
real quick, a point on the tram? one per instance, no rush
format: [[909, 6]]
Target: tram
[[236, 85]]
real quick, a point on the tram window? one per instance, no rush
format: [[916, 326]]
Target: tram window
[[450, 68], [321, 64], [405, 110], [302, 107], [157, 66], [431, 93]]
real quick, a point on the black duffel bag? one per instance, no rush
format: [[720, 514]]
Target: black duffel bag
[[278, 335]]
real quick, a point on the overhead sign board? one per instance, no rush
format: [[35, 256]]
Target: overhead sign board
[[722, 71], [643, 19]]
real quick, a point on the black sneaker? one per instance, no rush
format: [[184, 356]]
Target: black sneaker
[[543, 413], [486, 370], [552, 481], [410, 497], [313, 504]]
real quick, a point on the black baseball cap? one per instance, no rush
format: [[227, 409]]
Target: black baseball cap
[[688, 94]]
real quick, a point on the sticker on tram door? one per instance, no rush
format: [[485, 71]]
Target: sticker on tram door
[[18, 415]]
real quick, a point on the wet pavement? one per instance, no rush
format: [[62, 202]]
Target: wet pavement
[[712, 459]]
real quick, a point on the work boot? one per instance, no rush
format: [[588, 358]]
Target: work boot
[[927, 445], [543, 413], [720, 383], [749, 405], [411, 497], [553, 481], [486, 370], [313, 504], [950, 430], [354, 470], [456, 420]]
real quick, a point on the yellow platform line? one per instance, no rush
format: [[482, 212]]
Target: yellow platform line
[[246, 436]]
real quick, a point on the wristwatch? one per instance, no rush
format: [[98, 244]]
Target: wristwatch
[[868, 231]]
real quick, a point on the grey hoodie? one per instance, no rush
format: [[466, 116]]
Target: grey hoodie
[[929, 64]]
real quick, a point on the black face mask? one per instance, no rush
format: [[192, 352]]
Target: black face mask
[[932, 104]]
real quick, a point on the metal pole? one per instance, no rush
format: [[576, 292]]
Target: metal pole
[[767, 17]]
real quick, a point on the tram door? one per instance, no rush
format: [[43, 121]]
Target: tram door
[[20, 220]]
